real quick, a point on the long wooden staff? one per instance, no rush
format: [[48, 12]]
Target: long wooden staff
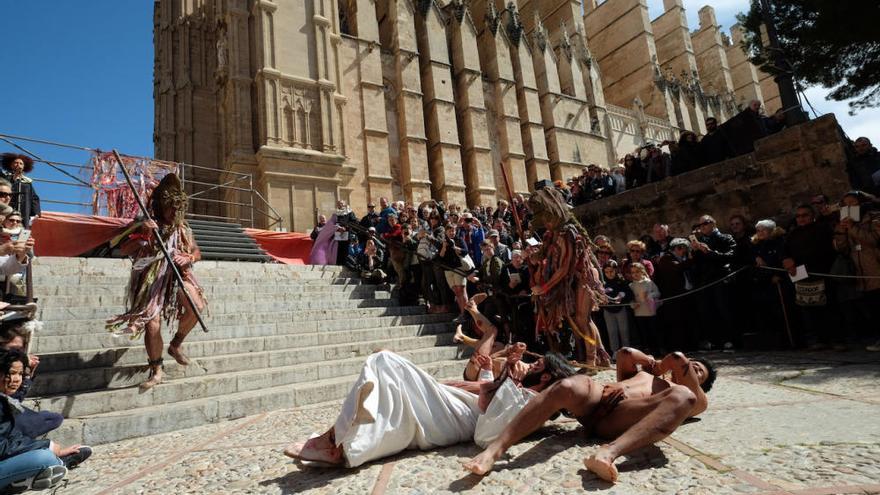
[[160, 242], [519, 228]]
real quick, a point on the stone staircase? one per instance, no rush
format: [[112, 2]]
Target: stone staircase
[[280, 336]]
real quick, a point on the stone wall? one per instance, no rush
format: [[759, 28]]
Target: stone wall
[[785, 169]]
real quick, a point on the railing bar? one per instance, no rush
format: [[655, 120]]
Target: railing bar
[[215, 185], [219, 201], [61, 182], [52, 143], [241, 175], [58, 201]]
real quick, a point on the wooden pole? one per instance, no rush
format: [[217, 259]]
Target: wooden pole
[[161, 243], [785, 314], [516, 218]]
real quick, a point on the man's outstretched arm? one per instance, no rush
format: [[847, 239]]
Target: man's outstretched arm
[[628, 361], [683, 373]]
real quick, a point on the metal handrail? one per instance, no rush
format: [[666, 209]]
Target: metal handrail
[[277, 219], [234, 181]]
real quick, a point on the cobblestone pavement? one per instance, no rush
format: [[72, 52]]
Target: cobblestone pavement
[[780, 423]]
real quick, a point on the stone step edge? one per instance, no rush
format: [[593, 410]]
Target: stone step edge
[[172, 366], [232, 375], [111, 311], [97, 326], [101, 322], [45, 356], [304, 295]]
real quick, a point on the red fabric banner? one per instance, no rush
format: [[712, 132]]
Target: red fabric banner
[[70, 234], [290, 248]]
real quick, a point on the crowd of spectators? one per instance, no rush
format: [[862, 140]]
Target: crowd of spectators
[[650, 163], [27, 459], [700, 289]]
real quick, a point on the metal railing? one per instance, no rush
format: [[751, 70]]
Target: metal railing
[[214, 194]]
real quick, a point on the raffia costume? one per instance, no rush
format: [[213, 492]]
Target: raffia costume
[[569, 297], [151, 288]]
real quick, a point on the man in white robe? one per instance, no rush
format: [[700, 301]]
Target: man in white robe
[[395, 406]]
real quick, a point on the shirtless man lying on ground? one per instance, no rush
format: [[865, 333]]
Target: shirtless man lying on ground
[[641, 409]]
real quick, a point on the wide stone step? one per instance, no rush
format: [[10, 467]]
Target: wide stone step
[[51, 264], [218, 308], [121, 279], [97, 378], [309, 319], [182, 389], [45, 290], [258, 294], [114, 426], [61, 352]]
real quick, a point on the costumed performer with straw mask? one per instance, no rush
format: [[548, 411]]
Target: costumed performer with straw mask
[[152, 291]]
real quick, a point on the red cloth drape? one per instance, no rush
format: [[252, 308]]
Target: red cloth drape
[[291, 248], [70, 234]]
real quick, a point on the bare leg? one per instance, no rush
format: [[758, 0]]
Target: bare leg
[[486, 343], [320, 449], [460, 297], [578, 395], [153, 343], [639, 423], [186, 323]]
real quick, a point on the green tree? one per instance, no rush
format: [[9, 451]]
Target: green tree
[[832, 43]]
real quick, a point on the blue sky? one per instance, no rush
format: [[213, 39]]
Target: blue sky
[[81, 73]]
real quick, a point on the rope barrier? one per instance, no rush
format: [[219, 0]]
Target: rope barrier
[[684, 294], [740, 270], [825, 275]]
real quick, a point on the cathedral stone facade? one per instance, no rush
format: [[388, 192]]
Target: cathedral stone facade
[[322, 100]]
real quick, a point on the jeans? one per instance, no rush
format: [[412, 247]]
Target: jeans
[[35, 424], [25, 465], [618, 329]]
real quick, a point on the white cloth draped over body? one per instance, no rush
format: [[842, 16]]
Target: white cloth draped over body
[[395, 406]]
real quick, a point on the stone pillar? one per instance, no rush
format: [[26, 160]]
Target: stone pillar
[[566, 117], [185, 93], [746, 81], [620, 38], [478, 129], [712, 61], [497, 38], [444, 148], [675, 53], [528, 97], [367, 149], [398, 35]]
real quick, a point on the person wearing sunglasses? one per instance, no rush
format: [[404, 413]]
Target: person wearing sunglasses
[[24, 197]]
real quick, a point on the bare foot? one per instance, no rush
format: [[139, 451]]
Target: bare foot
[[602, 463], [459, 335], [319, 449], [479, 298], [481, 464], [178, 356], [157, 376]]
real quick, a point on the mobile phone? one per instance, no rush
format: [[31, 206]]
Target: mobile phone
[[531, 241], [24, 235], [692, 238]]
